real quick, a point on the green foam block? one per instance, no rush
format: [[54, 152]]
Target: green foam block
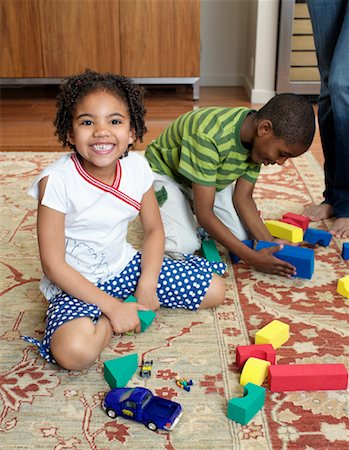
[[145, 317], [243, 409], [119, 371]]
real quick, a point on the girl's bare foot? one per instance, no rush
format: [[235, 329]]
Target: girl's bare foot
[[340, 228], [319, 212]]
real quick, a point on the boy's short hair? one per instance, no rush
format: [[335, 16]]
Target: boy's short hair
[[292, 117], [76, 87]]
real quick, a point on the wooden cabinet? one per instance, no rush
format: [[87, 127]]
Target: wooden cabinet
[[79, 34], [160, 38], [20, 54], [138, 38]]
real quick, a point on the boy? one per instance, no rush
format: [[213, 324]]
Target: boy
[[211, 157]]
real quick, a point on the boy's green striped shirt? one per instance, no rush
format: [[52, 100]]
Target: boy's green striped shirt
[[204, 146]]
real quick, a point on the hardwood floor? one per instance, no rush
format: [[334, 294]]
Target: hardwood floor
[[27, 113]]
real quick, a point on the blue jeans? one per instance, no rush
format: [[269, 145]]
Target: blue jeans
[[330, 21]]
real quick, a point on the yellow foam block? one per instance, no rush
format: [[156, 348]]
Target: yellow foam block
[[343, 286], [275, 333], [284, 230], [255, 371]]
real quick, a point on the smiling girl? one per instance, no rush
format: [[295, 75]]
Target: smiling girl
[[86, 200]]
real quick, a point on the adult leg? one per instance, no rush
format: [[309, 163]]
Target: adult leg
[[78, 343], [339, 91], [179, 221], [326, 17], [325, 33]]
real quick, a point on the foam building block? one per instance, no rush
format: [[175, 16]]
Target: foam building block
[[209, 251], [314, 236], [243, 409], [260, 351], [275, 333], [343, 286], [284, 230], [302, 258], [345, 251], [145, 317], [234, 258], [255, 371], [307, 377], [119, 371], [296, 220]]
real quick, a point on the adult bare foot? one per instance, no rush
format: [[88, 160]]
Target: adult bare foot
[[318, 212], [340, 227]]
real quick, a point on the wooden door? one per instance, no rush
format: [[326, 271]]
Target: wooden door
[[80, 34], [20, 39], [160, 38]]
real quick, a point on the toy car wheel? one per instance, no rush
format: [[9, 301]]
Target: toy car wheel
[[111, 413], [152, 426]]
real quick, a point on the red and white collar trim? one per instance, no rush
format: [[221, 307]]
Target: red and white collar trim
[[113, 189]]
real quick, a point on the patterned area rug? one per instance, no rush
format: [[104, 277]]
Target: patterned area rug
[[43, 406]]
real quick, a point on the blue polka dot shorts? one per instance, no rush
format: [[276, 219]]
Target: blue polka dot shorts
[[181, 284]]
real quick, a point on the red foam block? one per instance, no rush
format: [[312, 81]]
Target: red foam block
[[260, 351], [296, 219], [307, 377]]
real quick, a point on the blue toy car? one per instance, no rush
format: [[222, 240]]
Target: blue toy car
[[141, 405]]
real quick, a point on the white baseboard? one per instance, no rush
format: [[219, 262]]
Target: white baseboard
[[257, 95]]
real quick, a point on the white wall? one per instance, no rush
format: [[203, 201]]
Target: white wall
[[238, 45]]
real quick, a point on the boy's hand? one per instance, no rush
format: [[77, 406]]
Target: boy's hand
[[268, 263], [124, 317]]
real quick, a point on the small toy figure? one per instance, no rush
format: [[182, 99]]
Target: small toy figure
[[183, 383], [146, 368]]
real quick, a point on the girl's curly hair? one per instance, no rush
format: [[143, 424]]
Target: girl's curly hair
[[76, 87]]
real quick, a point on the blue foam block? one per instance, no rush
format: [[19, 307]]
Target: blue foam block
[[314, 236], [302, 258], [345, 251], [234, 258]]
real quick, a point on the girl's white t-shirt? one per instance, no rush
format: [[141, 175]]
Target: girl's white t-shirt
[[96, 214]]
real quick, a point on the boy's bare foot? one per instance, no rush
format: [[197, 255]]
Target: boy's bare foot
[[340, 228], [318, 212]]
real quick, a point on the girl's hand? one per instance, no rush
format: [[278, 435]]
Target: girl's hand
[[147, 298], [268, 263], [124, 317]]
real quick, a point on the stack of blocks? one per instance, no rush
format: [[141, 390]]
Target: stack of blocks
[[258, 362]]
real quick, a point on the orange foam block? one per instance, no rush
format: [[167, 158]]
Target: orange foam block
[[307, 377]]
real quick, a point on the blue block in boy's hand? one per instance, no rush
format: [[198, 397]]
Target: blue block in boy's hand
[[301, 258], [234, 258], [314, 236]]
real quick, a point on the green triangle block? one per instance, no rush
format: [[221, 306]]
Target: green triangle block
[[243, 409], [145, 317], [119, 371], [209, 251]]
